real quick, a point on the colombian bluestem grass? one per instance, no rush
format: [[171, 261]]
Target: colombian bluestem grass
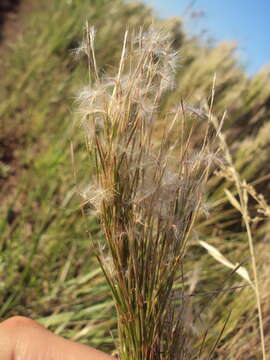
[[146, 195]]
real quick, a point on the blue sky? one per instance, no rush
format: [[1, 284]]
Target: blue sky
[[245, 21]]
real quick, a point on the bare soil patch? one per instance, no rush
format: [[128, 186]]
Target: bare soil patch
[[9, 11]]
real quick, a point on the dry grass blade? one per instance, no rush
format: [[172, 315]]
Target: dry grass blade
[[240, 270]]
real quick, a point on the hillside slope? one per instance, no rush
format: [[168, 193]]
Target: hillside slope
[[47, 269]]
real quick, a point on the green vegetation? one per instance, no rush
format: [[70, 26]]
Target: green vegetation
[[48, 269]]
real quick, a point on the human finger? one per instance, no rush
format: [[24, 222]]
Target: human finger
[[25, 339]]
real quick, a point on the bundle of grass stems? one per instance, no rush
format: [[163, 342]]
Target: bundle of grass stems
[[146, 194]]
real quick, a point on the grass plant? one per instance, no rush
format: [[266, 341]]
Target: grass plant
[[243, 191], [146, 197]]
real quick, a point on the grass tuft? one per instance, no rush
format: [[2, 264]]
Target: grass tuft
[[146, 195]]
